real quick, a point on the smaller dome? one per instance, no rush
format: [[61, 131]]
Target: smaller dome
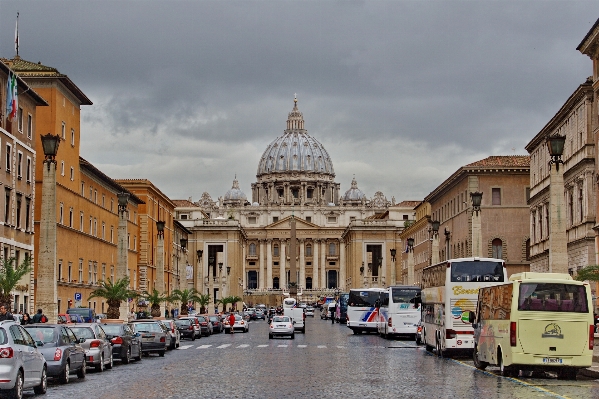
[[235, 194], [354, 193], [255, 204]]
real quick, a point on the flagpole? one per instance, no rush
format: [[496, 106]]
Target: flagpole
[[17, 35]]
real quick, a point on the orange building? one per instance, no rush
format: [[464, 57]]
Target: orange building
[[87, 204]]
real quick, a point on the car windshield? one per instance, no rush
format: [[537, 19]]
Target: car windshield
[[283, 319], [43, 334], [147, 327], [112, 329], [201, 318], [213, 318], [182, 323], [83, 332], [550, 297]]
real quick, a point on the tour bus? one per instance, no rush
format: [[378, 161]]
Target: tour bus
[[537, 321], [450, 290], [341, 309], [363, 309], [400, 311]]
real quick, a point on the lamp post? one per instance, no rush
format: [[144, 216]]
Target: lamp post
[[46, 297], [435, 241], [199, 283], [183, 242], [477, 235], [122, 269], [410, 261], [393, 252], [558, 241], [160, 261]]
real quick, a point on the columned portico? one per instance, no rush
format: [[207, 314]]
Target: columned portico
[[282, 264], [268, 263], [302, 262], [315, 255], [261, 262]]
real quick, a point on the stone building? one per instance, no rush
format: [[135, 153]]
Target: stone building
[[17, 177], [242, 246], [503, 230]]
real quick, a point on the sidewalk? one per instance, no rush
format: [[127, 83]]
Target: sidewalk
[[593, 371]]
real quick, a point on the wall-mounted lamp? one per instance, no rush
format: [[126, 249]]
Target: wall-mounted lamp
[[393, 253], [228, 270], [410, 244], [555, 144], [160, 227], [220, 267], [183, 243], [199, 252], [476, 198]]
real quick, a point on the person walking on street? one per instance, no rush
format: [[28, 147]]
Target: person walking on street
[[37, 318], [4, 314], [26, 319], [232, 322]]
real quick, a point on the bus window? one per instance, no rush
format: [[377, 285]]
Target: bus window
[[552, 297], [401, 295], [363, 298], [477, 271]]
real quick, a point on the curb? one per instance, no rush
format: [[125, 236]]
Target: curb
[[589, 373]]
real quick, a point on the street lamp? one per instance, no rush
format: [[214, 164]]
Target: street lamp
[[123, 199], [228, 270], [435, 227], [183, 243], [220, 267], [50, 145], [393, 253], [555, 144], [410, 244], [160, 227], [476, 198]]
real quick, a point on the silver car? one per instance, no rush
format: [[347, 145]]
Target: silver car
[[174, 336], [281, 325], [21, 364], [153, 336], [98, 350]]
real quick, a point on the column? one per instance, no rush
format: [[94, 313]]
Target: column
[[282, 264], [411, 266], [558, 241], [269, 263], [342, 270], [302, 264], [315, 255], [435, 249], [160, 268], [477, 238], [261, 263], [243, 271], [323, 262]]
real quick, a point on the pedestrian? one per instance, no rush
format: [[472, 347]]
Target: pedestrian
[[37, 318], [26, 319], [173, 313], [232, 322], [5, 314], [166, 313]]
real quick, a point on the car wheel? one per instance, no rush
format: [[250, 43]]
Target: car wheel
[[82, 371], [64, 376], [269, 336], [17, 391], [161, 353], [293, 336], [110, 362], [127, 357], [138, 357], [100, 367], [173, 344], [193, 337], [43, 386]]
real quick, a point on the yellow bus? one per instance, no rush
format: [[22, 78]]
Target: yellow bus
[[536, 321]]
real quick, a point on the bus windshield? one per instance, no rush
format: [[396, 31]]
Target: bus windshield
[[404, 295], [553, 297], [363, 298], [477, 271]]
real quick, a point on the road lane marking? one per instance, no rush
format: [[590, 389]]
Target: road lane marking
[[340, 346], [263, 346], [282, 346], [243, 346], [204, 346], [185, 347], [322, 346], [302, 346], [223, 346]]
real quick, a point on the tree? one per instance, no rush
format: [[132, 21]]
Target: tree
[[9, 278], [155, 298], [229, 300], [184, 296], [203, 300], [115, 293], [589, 273]]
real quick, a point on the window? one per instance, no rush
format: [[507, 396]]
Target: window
[[135, 243], [95, 196], [7, 206], [20, 119], [496, 193], [309, 250], [580, 204], [28, 171], [332, 219], [72, 173], [310, 193], [103, 276], [59, 269], [295, 192], [112, 273], [81, 221], [19, 165], [89, 272], [64, 131], [332, 249], [62, 168], [80, 270], [309, 219], [128, 241], [95, 272], [497, 245], [252, 249], [8, 156], [60, 217], [112, 234], [251, 219], [103, 230], [29, 126], [73, 137], [19, 201], [27, 213], [184, 216], [69, 271], [91, 225], [352, 218], [276, 250], [82, 189], [95, 227], [275, 219], [71, 217], [103, 201]]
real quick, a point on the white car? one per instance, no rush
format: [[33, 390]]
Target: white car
[[281, 325], [309, 311], [240, 324]]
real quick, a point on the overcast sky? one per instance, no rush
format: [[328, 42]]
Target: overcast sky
[[189, 94]]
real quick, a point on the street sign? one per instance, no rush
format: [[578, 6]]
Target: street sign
[[78, 296]]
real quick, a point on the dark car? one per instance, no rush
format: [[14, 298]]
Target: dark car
[[125, 343], [153, 336], [217, 323], [61, 349], [205, 325], [185, 328]]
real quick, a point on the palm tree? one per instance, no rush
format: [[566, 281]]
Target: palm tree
[[229, 300], [184, 296], [589, 273], [10, 276], [203, 300], [155, 298], [114, 293]]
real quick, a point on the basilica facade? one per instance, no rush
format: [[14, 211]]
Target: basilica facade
[[242, 243]]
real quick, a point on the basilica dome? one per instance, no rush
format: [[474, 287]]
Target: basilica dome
[[354, 193], [295, 151]]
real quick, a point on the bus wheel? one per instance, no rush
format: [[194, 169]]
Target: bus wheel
[[427, 346], [440, 352], [477, 363], [506, 371]]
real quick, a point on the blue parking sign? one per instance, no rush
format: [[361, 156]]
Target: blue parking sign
[[77, 296]]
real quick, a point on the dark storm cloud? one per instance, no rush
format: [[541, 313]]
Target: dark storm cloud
[[401, 93]]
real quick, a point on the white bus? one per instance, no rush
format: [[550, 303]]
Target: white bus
[[400, 311], [363, 309], [450, 292]]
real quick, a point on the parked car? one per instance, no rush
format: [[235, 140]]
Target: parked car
[[174, 337], [186, 328], [88, 314], [309, 311], [281, 325], [153, 336], [217, 323], [61, 349], [240, 324], [125, 343], [205, 325], [98, 350], [18, 349], [196, 325]]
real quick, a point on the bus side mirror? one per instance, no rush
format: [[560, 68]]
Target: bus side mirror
[[471, 318]]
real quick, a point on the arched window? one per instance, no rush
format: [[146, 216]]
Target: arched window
[[276, 250], [497, 248], [309, 250], [332, 249], [252, 249]]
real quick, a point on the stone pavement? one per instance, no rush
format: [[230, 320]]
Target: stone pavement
[[593, 371]]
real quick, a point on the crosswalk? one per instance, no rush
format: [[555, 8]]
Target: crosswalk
[[280, 345]]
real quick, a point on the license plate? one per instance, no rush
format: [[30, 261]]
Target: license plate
[[552, 360]]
